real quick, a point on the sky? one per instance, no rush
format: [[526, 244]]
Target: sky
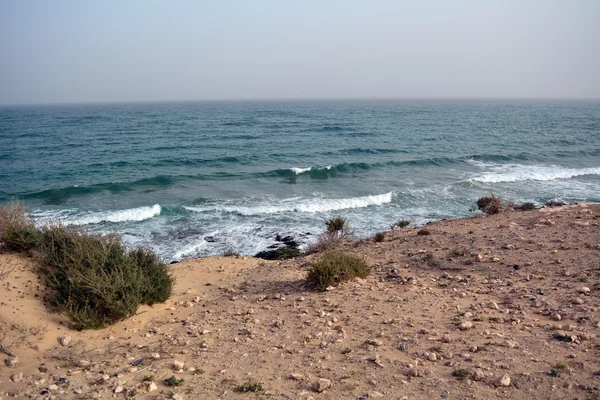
[[73, 51]]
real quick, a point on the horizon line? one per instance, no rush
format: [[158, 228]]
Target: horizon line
[[292, 99]]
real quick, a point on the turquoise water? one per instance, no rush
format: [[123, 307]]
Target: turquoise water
[[197, 179]]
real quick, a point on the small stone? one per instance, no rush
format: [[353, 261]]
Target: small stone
[[155, 356], [321, 385], [64, 340], [413, 372], [17, 377], [477, 374], [12, 361], [465, 326], [297, 377], [578, 300], [511, 344], [177, 396], [150, 386], [83, 363], [493, 305], [178, 365], [583, 290], [119, 389], [504, 380], [432, 357], [446, 338], [556, 317], [479, 257], [53, 388]]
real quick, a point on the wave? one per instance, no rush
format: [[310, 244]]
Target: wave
[[301, 205], [520, 173], [298, 171], [128, 215]]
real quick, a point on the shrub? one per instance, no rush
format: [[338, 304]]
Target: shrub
[[490, 205], [333, 268], [17, 228], [555, 203], [95, 280], [337, 229], [249, 387], [525, 206], [379, 237], [401, 223]]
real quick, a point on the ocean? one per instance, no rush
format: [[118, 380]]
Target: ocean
[[199, 179]]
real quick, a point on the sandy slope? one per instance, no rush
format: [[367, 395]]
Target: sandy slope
[[519, 279]]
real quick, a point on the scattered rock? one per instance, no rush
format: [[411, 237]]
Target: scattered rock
[[12, 361], [178, 365], [465, 326], [477, 374], [321, 385], [64, 340], [17, 377], [504, 380]]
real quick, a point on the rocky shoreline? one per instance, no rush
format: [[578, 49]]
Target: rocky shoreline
[[502, 306]]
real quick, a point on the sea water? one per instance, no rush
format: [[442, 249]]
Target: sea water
[[202, 178]]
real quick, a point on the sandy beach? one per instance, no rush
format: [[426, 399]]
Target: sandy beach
[[503, 306]]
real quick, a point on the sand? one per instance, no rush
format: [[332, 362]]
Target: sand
[[503, 306]]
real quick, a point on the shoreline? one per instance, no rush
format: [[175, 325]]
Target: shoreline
[[485, 296]]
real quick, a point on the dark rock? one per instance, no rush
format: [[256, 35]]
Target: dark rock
[[423, 232], [282, 253]]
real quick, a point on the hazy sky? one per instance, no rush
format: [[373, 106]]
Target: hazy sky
[[55, 51]]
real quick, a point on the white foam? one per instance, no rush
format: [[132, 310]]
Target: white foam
[[132, 214], [299, 171], [520, 173], [302, 205]]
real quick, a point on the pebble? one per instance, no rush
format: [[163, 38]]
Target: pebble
[[504, 380], [178, 365], [583, 290], [12, 361], [297, 377], [477, 374], [321, 385], [578, 300], [465, 326], [17, 377], [64, 340], [150, 386]]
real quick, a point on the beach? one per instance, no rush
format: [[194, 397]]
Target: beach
[[500, 306]]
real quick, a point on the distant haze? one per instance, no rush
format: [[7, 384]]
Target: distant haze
[[118, 51]]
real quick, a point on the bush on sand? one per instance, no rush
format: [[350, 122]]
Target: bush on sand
[[94, 279], [17, 228], [333, 268]]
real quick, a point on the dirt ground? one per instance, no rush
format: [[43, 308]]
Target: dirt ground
[[503, 306]]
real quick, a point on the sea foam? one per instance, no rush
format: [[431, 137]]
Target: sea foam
[[301, 205], [520, 173], [132, 214]]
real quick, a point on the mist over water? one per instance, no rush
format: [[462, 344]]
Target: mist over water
[[197, 179]]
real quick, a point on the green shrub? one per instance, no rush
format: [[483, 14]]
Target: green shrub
[[95, 280], [333, 268], [17, 228], [249, 387], [490, 205], [401, 223], [379, 237], [337, 229], [525, 206]]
